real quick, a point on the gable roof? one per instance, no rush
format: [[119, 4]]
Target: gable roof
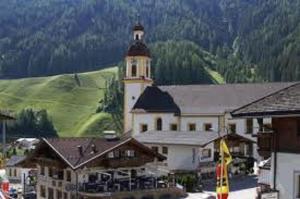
[[283, 102], [154, 99], [197, 138], [203, 99], [67, 149], [177, 137]]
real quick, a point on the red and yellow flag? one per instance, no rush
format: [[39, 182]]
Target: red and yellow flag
[[221, 171]]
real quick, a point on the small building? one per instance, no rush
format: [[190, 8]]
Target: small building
[[98, 168], [13, 170], [281, 142], [26, 143]]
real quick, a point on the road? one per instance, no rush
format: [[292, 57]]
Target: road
[[240, 188]]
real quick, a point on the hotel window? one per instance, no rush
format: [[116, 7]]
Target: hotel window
[[43, 191], [232, 128], [69, 178], [206, 153], [65, 195], [50, 170], [165, 150], [249, 126], [207, 127], [173, 127], [158, 124], [58, 194], [15, 172], [130, 153], [192, 127], [144, 128], [155, 148], [42, 171], [50, 193]]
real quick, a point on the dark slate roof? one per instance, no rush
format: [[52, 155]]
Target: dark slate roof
[[138, 48], [138, 26], [154, 99], [67, 148], [217, 99], [14, 160], [197, 138], [283, 102], [177, 137]]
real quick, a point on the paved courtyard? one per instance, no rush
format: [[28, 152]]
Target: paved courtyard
[[240, 188]]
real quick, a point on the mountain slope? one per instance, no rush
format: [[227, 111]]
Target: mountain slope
[[71, 100]]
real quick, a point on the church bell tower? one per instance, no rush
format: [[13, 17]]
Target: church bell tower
[[138, 73]]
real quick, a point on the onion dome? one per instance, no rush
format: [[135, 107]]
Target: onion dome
[[138, 26], [138, 48]]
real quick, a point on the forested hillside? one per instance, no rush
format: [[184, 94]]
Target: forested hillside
[[257, 40]]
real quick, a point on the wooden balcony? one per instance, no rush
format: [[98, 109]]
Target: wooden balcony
[[265, 143]]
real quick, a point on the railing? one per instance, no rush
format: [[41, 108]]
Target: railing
[[123, 185]]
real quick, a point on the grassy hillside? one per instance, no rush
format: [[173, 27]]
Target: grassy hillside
[[71, 102]]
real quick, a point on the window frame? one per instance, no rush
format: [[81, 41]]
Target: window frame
[[192, 125], [209, 155], [155, 149], [134, 68], [297, 184], [173, 125], [157, 124], [249, 130], [43, 191], [142, 130], [230, 129], [165, 150], [205, 125]]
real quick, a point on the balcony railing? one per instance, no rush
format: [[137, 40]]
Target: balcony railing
[[120, 185]]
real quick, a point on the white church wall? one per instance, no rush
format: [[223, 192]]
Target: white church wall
[[199, 121], [150, 120]]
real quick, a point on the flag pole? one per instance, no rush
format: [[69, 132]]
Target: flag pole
[[222, 169]]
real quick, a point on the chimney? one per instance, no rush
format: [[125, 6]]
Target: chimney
[[80, 150]]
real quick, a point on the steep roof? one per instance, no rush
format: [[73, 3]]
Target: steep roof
[[283, 102], [204, 99], [154, 99], [138, 48], [67, 148]]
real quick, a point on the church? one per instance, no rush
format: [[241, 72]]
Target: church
[[185, 122]]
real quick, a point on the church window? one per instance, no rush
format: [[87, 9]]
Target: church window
[[147, 71], [173, 127], [207, 127], [144, 128], [137, 37], [158, 124], [192, 127], [133, 68]]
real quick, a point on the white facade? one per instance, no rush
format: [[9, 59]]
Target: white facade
[[287, 175], [184, 157]]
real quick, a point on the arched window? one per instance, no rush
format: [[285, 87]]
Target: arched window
[[133, 68], [159, 124], [147, 71], [137, 37]]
